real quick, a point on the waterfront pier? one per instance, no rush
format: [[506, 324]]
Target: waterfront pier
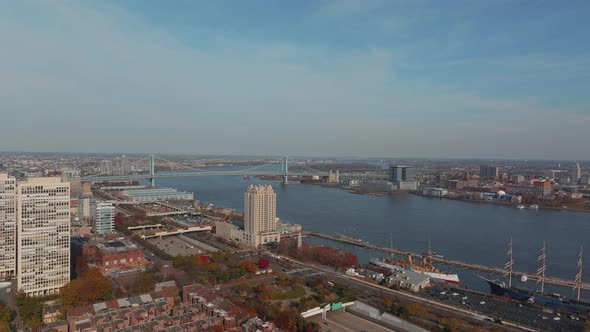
[[452, 262]]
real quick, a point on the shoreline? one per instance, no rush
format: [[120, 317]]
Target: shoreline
[[417, 193], [541, 207]]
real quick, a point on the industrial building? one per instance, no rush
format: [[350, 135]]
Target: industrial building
[[156, 194]]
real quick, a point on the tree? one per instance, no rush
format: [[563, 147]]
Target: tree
[[265, 293], [30, 309], [5, 313], [263, 263], [449, 324], [90, 288], [5, 318], [249, 266], [416, 310], [119, 218], [145, 283]]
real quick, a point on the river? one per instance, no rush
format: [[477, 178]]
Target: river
[[467, 231]]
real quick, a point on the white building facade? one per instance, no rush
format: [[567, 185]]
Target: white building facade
[[43, 235], [260, 216], [7, 225], [103, 215]]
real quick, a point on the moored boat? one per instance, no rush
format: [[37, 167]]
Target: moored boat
[[534, 297]]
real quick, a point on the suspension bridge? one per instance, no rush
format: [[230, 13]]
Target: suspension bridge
[[268, 169]]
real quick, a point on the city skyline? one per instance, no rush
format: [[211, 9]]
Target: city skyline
[[343, 79]]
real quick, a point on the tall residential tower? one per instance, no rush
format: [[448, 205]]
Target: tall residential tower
[[260, 215], [7, 225], [43, 235]]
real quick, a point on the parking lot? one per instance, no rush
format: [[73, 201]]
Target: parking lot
[[180, 245], [502, 309]]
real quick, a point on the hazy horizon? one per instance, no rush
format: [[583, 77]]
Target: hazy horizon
[[346, 79], [278, 157]]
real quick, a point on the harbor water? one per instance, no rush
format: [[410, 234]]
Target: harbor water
[[466, 231]]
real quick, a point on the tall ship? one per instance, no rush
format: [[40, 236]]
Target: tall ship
[[539, 297], [424, 267]]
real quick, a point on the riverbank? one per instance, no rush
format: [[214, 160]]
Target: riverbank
[[463, 199]]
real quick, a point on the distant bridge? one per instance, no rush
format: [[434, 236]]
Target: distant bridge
[[258, 170]]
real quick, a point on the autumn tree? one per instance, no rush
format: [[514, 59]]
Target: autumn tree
[[144, 283], [263, 263], [91, 287], [249, 266]]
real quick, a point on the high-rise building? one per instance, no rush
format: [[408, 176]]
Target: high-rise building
[[43, 235], [260, 215], [403, 177], [489, 172], [103, 214], [84, 207], [7, 225], [576, 173], [106, 167]]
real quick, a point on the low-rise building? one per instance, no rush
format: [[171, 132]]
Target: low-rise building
[[229, 231], [114, 255], [408, 279], [156, 194], [258, 325], [435, 192], [285, 228], [51, 311], [122, 313]]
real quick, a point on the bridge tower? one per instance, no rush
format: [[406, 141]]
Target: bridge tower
[[285, 180], [152, 171]]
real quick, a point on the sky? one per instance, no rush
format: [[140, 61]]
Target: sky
[[350, 78]]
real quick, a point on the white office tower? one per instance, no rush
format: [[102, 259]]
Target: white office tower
[[260, 214], [7, 225], [576, 173], [43, 235], [103, 214]]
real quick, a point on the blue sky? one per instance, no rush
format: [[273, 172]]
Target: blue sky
[[481, 79]]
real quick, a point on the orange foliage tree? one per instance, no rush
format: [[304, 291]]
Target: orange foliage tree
[[91, 287]]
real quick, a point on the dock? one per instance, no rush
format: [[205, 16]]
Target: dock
[[464, 265]]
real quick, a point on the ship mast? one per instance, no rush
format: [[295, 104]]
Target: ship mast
[[543, 268], [509, 264], [578, 279]]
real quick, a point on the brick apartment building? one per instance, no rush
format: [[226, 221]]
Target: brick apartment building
[[114, 255]]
